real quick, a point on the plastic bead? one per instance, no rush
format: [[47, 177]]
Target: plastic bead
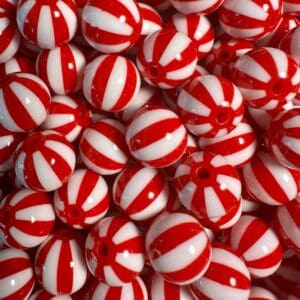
[[151, 20], [196, 6], [290, 43]]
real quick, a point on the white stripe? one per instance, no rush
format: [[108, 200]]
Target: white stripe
[[69, 17], [182, 170], [260, 273], [101, 291], [45, 28], [127, 292], [57, 120], [74, 185], [11, 253], [111, 277], [24, 239], [213, 204], [19, 168], [280, 60], [194, 6], [180, 22], [252, 94], [291, 143], [131, 261], [150, 43], [187, 193], [232, 184], [126, 232], [104, 226], [132, 8], [292, 122], [184, 72], [11, 49], [36, 213], [213, 86], [20, 195], [244, 32], [23, 12], [237, 100]]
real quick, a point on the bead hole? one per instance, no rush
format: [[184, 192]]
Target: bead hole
[[277, 88], [203, 173], [103, 250], [154, 71], [224, 55], [74, 213], [222, 118]]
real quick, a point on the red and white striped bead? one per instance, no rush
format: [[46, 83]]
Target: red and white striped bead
[[257, 243], [105, 250], [59, 263], [166, 58], [43, 295], [210, 106], [156, 137], [17, 64], [227, 275], [24, 102], [291, 6], [67, 116], [111, 82], [111, 26], [290, 43], [47, 24], [61, 68], [259, 293], [163, 250], [141, 192], [103, 148], [16, 274], [44, 161], [83, 200], [151, 19], [268, 181], [196, 6], [26, 218]]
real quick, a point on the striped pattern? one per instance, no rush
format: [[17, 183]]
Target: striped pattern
[[103, 148], [26, 218], [17, 64], [44, 161], [210, 106], [105, 30], [156, 137], [249, 19], [196, 6], [43, 295], [290, 43], [47, 24], [61, 68], [257, 243], [197, 27], [237, 147], [151, 20], [8, 5], [259, 293], [67, 116], [59, 263], [105, 250], [291, 6], [227, 275], [83, 200], [111, 82], [268, 181], [163, 250], [140, 192], [26, 95], [267, 77], [158, 58], [16, 274]]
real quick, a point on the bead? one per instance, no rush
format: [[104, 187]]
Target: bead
[[16, 273], [102, 147], [44, 161], [83, 200], [111, 26], [59, 263], [156, 137], [290, 43], [114, 251], [43, 295], [191, 245], [267, 77], [257, 243], [197, 6], [17, 64], [47, 24], [292, 6], [210, 106], [259, 293], [110, 82], [166, 58], [151, 20], [61, 68]]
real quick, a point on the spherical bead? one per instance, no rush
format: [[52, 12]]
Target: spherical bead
[[151, 20], [197, 6], [259, 293], [17, 64]]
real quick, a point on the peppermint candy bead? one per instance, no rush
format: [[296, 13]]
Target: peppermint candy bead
[[166, 58], [111, 27], [17, 64], [210, 106], [290, 43], [151, 20], [162, 248], [259, 293], [197, 6], [105, 247], [61, 68], [291, 6], [110, 82], [24, 102], [43, 295], [156, 137], [47, 24], [44, 161], [16, 274]]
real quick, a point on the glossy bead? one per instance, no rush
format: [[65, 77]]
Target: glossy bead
[[197, 6], [24, 102], [210, 106], [114, 251], [191, 245], [151, 19], [156, 137], [44, 161], [257, 243], [16, 273], [113, 26], [43, 295], [166, 58], [292, 6], [290, 43], [17, 64], [259, 293]]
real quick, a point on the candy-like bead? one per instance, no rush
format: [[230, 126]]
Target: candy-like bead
[[151, 20], [196, 6]]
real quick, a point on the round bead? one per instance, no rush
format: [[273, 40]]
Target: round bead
[[196, 6], [210, 106], [16, 273], [291, 6], [174, 235], [111, 26], [44, 161], [83, 200], [114, 251], [17, 64], [61, 68], [24, 102], [257, 243], [151, 20], [103, 148], [259, 293], [47, 24], [166, 58], [111, 82], [43, 295], [59, 263], [156, 137], [290, 43]]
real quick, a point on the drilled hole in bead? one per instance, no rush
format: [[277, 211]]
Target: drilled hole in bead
[[103, 250], [74, 213], [222, 117], [224, 55], [5, 216], [154, 71], [203, 173], [277, 88]]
